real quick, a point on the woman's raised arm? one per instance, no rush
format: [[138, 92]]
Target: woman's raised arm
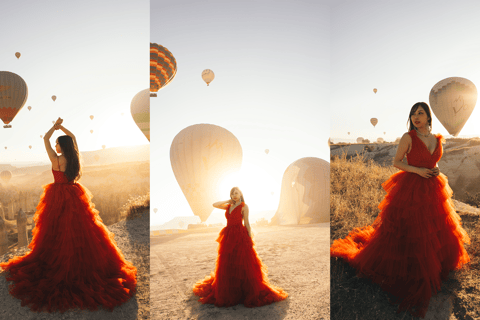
[[222, 204], [52, 155]]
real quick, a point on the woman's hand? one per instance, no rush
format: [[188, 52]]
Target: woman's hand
[[59, 121], [436, 171], [424, 172]]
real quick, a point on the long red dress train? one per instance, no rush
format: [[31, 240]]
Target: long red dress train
[[74, 260], [240, 276], [417, 237]]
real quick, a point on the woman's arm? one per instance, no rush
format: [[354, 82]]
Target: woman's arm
[[222, 204], [52, 155], [245, 219], [404, 146]]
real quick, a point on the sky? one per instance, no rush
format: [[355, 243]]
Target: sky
[[93, 55], [271, 61], [402, 48]]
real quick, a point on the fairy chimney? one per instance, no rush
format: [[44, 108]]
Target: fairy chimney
[[22, 229], [3, 237]]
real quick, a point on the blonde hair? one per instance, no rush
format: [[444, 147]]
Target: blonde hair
[[241, 193]]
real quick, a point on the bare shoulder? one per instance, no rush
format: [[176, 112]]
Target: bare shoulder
[[406, 137], [245, 208]]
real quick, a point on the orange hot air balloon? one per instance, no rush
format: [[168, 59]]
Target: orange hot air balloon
[[54, 98], [41, 136], [374, 121], [29, 108], [201, 156], [349, 133], [91, 117], [6, 176], [18, 54], [30, 147], [375, 90], [91, 131], [13, 95], [208, 76], [163, 67], [103, 146]]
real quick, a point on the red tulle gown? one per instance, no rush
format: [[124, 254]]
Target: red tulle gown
[[240, 276], [74, 260], [416, 239]]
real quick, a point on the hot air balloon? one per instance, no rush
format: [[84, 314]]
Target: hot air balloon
[[267, 151], [308, 199], [6, 176], [349, 133], [208, 76], [97, 157], [202, 155], [380, 140], [13, 95], [30, 147], [91, 131], [384, 132], [452, 101], [29, 108], [18, 54], [41, 136], [91, 117], [53, 122], [54, 98], [374, 121], [103, 146], [375, 90], [5, 148], [140, 109], [122, 113], [155, 210], [359, 140], [163, 67]]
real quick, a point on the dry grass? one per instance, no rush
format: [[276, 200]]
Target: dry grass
[[136, 206], [354, 204]]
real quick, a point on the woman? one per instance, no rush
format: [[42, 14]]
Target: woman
[[74, 261], [240, 276], [417, 237]]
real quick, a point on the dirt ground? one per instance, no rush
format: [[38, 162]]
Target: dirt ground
[[298, 261]]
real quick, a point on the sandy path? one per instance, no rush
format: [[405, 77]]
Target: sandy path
[[298, 261]]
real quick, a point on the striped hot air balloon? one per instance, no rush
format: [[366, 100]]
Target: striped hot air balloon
[[13, 95], [163, 67], [140, 109]]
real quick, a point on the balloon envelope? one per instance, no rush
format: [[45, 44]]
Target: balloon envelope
[[91, 117], [201, 156], [305, 193], [13, 95], [374, 121], [29, 108], [452, 101], [140, 109], [163, 67], [267, 151], [359, 140], [208, 76], [375, 90], [103, 146], [54, 98], [5, 175], [91, 131], [18, 54]]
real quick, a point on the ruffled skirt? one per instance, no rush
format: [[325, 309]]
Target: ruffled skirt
[[413, 244], [74, 260], [240, 276]]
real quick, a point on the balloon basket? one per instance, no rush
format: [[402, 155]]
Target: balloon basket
[[7, 126], [153, 94]]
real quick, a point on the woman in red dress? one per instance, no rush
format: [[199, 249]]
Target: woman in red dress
[[417, 237], [74, 261], [240, 276]]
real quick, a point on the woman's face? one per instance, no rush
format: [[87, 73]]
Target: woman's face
[[420, 118], [57, 147], [236, 195]]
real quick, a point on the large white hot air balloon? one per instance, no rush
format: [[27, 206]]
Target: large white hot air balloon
[[305, 193], [140, 109], [374, 121], [201, 156], [13, 95], [452, 101], [5, 176], [208, 76]]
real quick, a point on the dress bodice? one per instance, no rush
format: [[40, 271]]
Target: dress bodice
[[235, 218], [419, 155], [60, 177]]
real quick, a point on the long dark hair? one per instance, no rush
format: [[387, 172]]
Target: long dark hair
[[425, 107], [241, 193], [73, 172]]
